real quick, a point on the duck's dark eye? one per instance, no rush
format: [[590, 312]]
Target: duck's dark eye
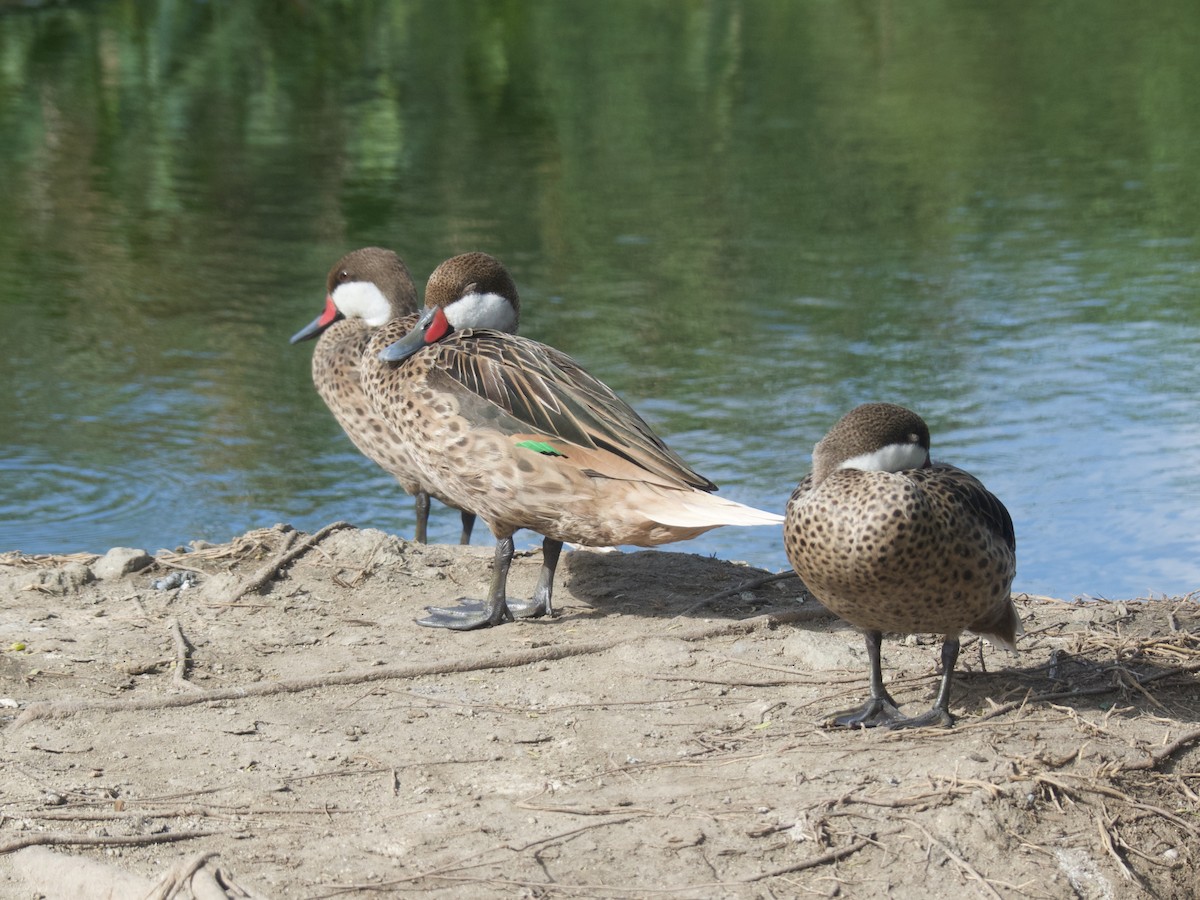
[[343, 276]]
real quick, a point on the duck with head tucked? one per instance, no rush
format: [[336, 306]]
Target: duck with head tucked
[[520, 434], [893, 542], [367, 288]]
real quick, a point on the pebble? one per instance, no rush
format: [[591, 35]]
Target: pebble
[[120, 561]]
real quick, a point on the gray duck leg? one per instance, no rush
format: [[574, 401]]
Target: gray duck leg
[[880, 709], [421, 504], [940, 713], [541, 604], [496, 610], [468, 525]]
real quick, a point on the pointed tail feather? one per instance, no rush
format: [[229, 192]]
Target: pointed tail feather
[[693, 509], [1003, 628]]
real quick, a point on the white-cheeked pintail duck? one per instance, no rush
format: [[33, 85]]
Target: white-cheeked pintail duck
[[521, 435]]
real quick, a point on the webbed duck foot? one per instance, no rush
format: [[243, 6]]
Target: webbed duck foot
[[527, 609], [935, 718], [467, 616], [472, 614], [875, 712]]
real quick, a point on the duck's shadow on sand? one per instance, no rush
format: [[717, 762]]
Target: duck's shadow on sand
[[657, 583], [1065, 658]]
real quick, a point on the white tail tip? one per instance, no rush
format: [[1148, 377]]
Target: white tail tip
[[699, 510]]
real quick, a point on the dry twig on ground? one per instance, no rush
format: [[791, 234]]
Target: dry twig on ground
[[182, 653], [64, 839], [271, 569]]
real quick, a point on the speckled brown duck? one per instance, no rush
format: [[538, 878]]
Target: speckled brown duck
[[519, 433], [894, 543], [365, 289]]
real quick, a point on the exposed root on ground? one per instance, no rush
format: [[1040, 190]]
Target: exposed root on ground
[[63, 708]]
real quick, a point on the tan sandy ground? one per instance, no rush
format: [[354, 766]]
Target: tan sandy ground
[[662, 737]]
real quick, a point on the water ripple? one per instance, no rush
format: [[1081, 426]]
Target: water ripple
[[57, 507]]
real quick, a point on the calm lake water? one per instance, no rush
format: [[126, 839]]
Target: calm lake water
[[746, 217]]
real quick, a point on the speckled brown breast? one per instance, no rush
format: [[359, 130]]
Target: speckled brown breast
[[917, 551], [336, 373]]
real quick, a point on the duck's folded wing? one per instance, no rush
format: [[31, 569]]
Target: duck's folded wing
[[976, 497], [553, 397]]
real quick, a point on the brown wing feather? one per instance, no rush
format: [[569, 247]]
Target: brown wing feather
[[975, 496], [548, 393]]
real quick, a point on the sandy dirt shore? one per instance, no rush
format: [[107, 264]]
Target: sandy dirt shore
[[278, 726]]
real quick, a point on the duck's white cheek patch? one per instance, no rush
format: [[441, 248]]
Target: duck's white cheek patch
[[892, 458], [364, 300], [482, 311]]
